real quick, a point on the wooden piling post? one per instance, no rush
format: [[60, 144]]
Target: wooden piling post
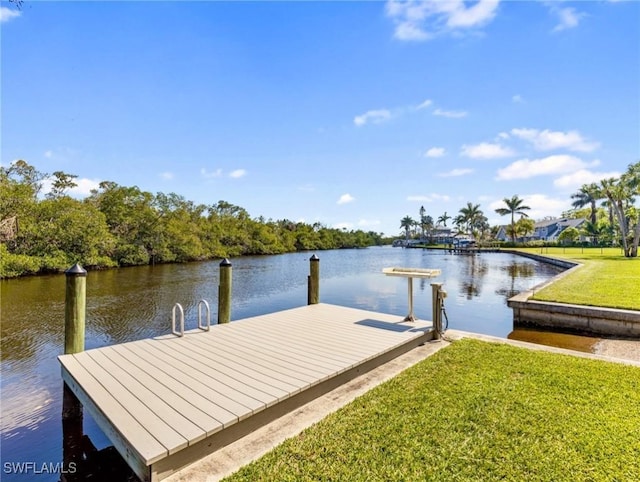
[[224, 292], [313, 281], [74, 330], [436, 301], [75, 308], [72, 432]]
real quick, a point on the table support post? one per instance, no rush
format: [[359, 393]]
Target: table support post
[[410, 316]]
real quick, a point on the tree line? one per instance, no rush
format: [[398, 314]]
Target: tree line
[[615, 222], [125, 226], [617, 198]]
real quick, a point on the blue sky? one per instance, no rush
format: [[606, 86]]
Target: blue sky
[[351, 114]]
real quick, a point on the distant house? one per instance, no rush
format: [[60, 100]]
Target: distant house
[[442, 235], [547, 230], [550, 229], [501, 235]]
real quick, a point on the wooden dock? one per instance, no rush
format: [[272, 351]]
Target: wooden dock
[[167, 402]]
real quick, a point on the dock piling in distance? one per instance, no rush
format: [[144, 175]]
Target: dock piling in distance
[[75, 309], [224, 292], [313, 281]]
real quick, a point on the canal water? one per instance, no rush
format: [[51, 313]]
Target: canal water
[[133, 303]]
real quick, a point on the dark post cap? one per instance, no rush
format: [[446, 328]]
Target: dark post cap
[[314, 258], [225, 262], [76, 270]]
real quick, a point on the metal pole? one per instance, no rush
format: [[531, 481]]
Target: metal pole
[[313, 280], [410, 316], [436, 301], [224, 292]]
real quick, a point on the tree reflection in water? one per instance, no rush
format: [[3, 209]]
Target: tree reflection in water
[[515, 270], [473, 272]]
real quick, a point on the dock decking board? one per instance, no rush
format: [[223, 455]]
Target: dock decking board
[[168, 401], [222, 416]]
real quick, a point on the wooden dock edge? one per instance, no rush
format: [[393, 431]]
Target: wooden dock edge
[[124, 448], [173, 463]]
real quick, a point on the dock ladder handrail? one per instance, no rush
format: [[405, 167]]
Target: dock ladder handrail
[[173, 320], [206, 305]]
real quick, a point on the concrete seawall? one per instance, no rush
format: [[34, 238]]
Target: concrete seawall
[[580, 319]]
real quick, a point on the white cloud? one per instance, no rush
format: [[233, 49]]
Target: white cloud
[[235, 174], [440, 197], [541, 205], [378, 116], [81, 190], [429, 198], [61, 154], [166, 175], [568, 17], [476, 15], [573, 181], [451, 114], [456, 172], [373, 116], [363, 223], [422, 20], [210, 174], [346, 198], [7, 14], [419, 198], [410, 31], [503, 135], [517, 99], [435, 152], [344, 225], [557, 164], [547, 140], [84, 187], [486, 150]]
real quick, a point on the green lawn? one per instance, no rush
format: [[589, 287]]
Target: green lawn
[[607, 278], [476, 411]]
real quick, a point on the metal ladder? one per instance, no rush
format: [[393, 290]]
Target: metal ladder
[[205, 326]]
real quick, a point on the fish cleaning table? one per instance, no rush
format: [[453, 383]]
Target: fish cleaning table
[[411, 273]]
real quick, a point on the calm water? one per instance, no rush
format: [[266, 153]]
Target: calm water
[[133, 303]]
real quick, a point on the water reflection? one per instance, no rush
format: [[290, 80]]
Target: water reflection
[[516, 271], [561, 340], [475, 269], [134, 303]]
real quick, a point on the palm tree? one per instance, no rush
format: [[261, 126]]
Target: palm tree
[[632, 180], [422, 213], [416, 224], [514, 206], [620, 193], [459, 222], [588, 194], [592, 231], [443, 219], [407, 223], [472, 215]]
